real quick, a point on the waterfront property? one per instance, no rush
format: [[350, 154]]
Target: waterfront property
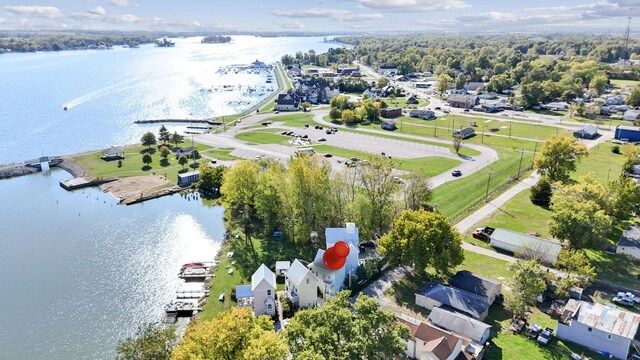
[[113, 153], [260, 294], [188, 178], [301, 286], [603, 328]]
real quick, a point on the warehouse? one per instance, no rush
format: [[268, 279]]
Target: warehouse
[[627, 133], [525, 245]]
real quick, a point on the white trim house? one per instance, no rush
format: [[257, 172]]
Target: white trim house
[[301, 285], [260, 294]]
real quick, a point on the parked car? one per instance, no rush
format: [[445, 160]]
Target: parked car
[[265, 123], [483, 233], [624, 301], [327, 155], [305, 136], [438, 108], [322, 139], [277, 112], [456, 173], [546, 336], [466, 110], [277, 233], [284, 132]]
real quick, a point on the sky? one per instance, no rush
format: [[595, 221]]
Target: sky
[[322, 15]]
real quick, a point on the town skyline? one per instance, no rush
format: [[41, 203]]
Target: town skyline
[[346, 16]]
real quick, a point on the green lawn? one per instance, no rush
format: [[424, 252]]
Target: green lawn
[[264, 250], [624, 83], [221, 154], [602, 123], [402, 102], [262, 137], [430, 166], [298, 119], [132, 165], [454, 197], [601, 162], [546, 112]]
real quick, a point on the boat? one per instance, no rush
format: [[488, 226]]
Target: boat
[[65, 108], [195, 264]]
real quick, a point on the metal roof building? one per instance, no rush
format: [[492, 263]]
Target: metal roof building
[[434, 295], [525, 245], [460, 324]]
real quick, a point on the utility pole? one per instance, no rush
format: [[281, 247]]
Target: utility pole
[[626, 36], [520, 166], [608, 174], [486, 196], [509, 130]]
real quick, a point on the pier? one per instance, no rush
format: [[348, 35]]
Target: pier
[[187, 121], [79, 183]]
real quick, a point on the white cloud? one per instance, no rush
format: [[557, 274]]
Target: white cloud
[[49, 12], [290, 24], [98, 10], [119, 3], [414, 5], [119, 19], [496, 21], [335, 14]]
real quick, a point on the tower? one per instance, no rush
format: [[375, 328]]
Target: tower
[[626, 36]]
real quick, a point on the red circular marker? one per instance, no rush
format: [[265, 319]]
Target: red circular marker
[[335, 257]]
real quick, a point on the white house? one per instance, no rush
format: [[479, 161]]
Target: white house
[[348, 234], [329, 281], [260, 294], [602, 328], [629, 243], [301, 285]]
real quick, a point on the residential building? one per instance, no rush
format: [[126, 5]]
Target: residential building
[[587, 132], [463, 101], [329, 281], [460, 324], [631, 115], [599, 327], [422, 114], [413, 100], [488, 96], [474, 86], [301, 286], [287, 102], [258, 65], [627, 133], [464, 133], [525, 245], [433, 295], [260, 294], [388, 70], [614, 100], [316, 91], [428, 342], [391, 112], [555, 106], [188, 178], [629, 243], [477, 284]]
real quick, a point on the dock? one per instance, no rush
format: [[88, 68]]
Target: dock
[[81, 182], [193, 121]]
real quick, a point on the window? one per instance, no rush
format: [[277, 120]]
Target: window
[[269, 307], [590, 329], [307, 280], [268, 292]]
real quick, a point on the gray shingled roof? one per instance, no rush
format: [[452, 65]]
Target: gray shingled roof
[[459, 324], [460, 300], [476, 284]]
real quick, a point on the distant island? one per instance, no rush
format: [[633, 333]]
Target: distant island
[[32, 41], [216, 39], [165, 43]]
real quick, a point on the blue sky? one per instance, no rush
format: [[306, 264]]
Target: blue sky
[[320, 15]]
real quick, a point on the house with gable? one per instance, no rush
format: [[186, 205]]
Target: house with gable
[[461, 324], [301, 285], [260, 294], [316, 91], [287, 102]]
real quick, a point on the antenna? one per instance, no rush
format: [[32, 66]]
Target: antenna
[[626, 36]]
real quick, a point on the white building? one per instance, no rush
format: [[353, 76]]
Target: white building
[[260, 294], [301, 285], [329, 281], [602, 328]]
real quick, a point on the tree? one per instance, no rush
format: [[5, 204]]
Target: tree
[[336, 331], [541, 192], [348, 116], [581, 109], [382, 82], [233, 334], [577, 268], [634, 98], [392, 98], [238, 194], [176, 139], [195, 154], [532, 93], [269, 197], [526, 284], [624, 198], [183, 161], [423, 238], [599, 82], [461, 81], [417, 191], [457, 144], [147, 159], [376, 178], [572, 110], [499, 83], [148, 139], [164, 152], [335, 113], [164, 135], [442, 83], [151, 342], [210, 180], [305, 106], [559, 157]]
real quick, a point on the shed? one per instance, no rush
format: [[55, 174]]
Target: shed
[[391, 112], [422, 114], [630, 115], [525, 245], [460, 324], [477, 284], [433, 295], [587, 132], [188, 178], [113, 153], [389, 125], [464, 133], [627, 133], [629, 242]]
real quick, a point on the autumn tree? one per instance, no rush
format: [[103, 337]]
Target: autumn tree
[[238, 194], [151, 342], [442, 83], [233, 334], [340, 331], [348, 116], [624, 197], [559, 157], [269, 197], [379, 189], [210, 180], [426, 239], [634, 98], [598, 83], [577, 268], [417, 191], [305, 106], [525, 285], [148, 139], [382, 82]]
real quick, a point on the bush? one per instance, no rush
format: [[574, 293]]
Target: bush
[[119, 163], [541, 192], [615, 149]]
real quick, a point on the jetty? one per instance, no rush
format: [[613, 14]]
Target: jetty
[[187, 121], [81, 182]]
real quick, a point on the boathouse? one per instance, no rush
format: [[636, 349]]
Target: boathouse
[[188, 178]]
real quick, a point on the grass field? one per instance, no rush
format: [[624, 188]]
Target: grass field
[[624, 83], [221, 154], [294, 120], [262, 137], [132, 165], [430, 166], [455, 197]]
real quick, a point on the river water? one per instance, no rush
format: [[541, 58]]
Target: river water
[[79, 272]]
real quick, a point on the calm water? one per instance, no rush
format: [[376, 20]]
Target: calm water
[[77, 271], [106, 90]]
